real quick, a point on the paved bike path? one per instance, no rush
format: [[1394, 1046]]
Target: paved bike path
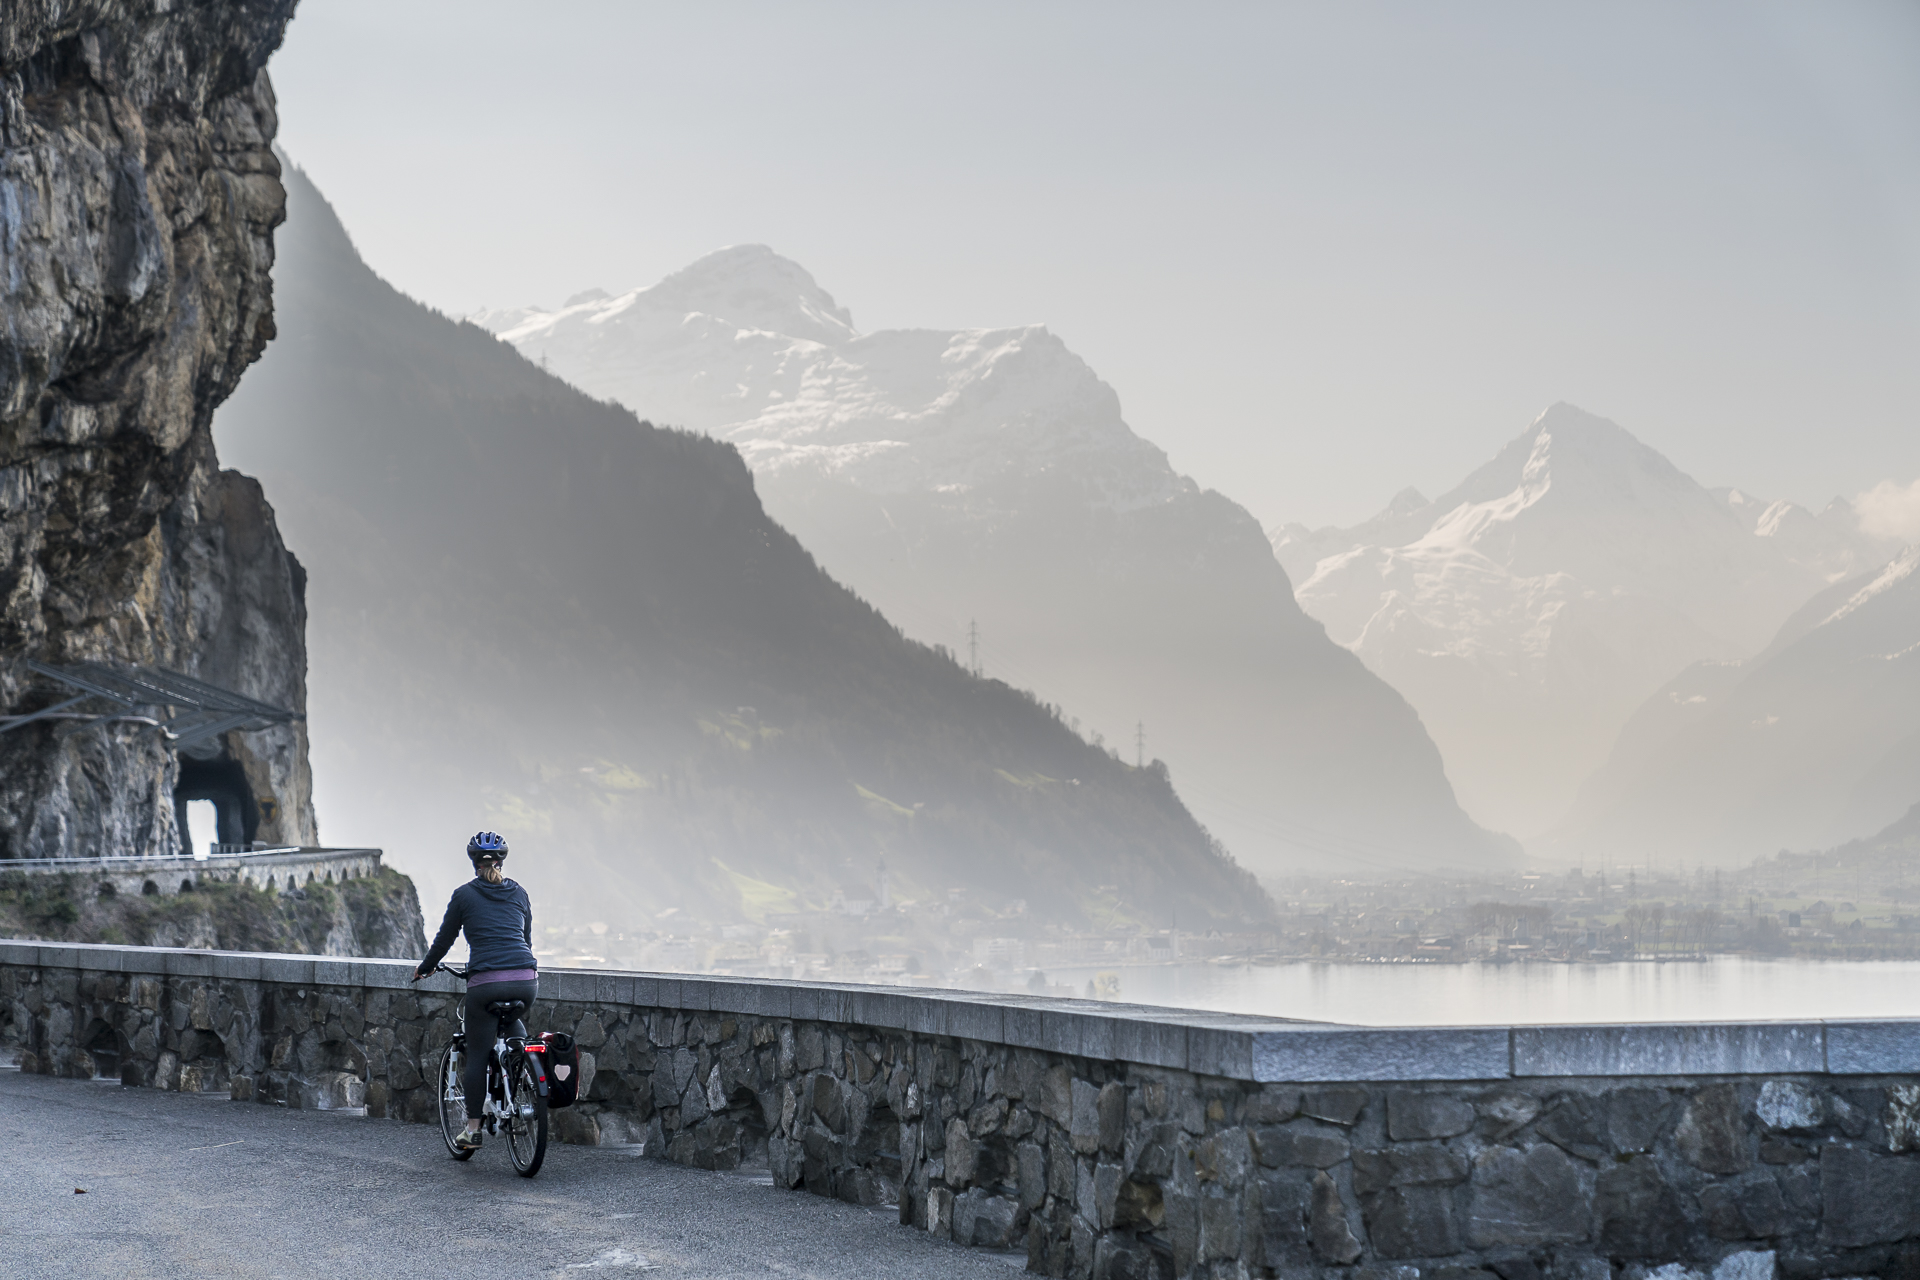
[[182, 1185]]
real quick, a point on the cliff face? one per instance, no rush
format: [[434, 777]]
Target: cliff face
[[138, 198]]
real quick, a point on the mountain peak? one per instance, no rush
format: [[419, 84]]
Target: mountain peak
[[752, 286], [1405, 503]]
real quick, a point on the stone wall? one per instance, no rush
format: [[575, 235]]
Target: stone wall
[[263, 869], [1109, 1141]]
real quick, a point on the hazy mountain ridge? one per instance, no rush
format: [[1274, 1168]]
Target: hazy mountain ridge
[[532, 611], [987, 475], [1812, 742], [1528, 612], [746, 345]]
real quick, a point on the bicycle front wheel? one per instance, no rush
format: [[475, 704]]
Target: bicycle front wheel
[[527, 1123], [452, 1093]]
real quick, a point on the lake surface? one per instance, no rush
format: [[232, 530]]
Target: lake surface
[[1723, 989]]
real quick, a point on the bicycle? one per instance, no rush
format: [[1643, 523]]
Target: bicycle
[[516, 1100]]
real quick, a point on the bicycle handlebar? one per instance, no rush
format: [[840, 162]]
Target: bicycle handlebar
[[455, 970]]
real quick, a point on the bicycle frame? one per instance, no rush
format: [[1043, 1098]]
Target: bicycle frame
[[496, 1107]]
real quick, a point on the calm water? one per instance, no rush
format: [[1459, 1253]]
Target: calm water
[[1726, 988]]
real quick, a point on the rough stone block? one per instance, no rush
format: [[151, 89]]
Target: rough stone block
[[1639, 1213], [1749, 1208], [1301, 1143], [1051, 1094], [1115, 1259], [1112, 1109], [1751, 1265], [1412, 1222], [1225, 1157], [1223, 1226], [1270, 1104], [1084, 1125], [1107, 1178], [1409, 1166], [1332, 1235], [1712, 1133], [940, 1213], [1527, 1198], [1416, 1115], [1286, 1203], [1636, 1117], [1865, 1198], [959, 1154], [1788, 1104], [1341, 1106], [1577, 1123], [983, 1219], [1506, 1110]]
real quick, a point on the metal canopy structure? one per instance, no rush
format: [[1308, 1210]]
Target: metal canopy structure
[[188, 712]]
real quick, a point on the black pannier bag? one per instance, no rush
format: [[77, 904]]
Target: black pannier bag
[[563, 1068]]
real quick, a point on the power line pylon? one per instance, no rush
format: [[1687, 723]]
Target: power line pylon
[[1140, 744], [973, 647]]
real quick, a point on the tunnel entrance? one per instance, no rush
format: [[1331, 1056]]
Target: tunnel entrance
[[224, 782]]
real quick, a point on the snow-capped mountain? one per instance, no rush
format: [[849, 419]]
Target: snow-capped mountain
[[1814, 741], [987, 476], [745, 345], [1529, 611]]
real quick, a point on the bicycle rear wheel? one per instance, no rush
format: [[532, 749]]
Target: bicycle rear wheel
[[526, 1134], [452, 1094]]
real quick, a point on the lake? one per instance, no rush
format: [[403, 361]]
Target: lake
[[1722, 989]]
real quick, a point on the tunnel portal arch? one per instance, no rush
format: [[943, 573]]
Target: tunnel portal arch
[[223, 781]]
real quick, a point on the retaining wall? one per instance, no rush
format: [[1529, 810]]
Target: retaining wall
[[261, 868], [1109, 1141]]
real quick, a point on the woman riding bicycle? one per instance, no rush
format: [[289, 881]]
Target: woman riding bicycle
[[498, 919]]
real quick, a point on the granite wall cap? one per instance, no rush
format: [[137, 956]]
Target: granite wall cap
[[1669, 1049], [1311, 1054], [1873, 1048]]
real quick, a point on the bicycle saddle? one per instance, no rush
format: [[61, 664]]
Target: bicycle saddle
[[507, 1008]]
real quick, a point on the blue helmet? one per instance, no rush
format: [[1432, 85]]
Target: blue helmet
[[487, 844]]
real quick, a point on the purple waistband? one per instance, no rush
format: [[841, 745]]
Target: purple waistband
[[502, 975]]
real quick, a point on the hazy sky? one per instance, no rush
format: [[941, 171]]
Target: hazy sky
[[1322, 251]]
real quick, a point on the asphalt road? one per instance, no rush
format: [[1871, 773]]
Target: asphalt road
[[196, 1186]]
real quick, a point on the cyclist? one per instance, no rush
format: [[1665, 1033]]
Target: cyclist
[[498, 919]]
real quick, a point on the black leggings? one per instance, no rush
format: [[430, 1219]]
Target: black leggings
[[481, 1027]]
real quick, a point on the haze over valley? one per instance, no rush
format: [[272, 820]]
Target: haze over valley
[[986, 479]]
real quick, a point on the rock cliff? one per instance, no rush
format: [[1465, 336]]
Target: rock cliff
[[138, 199]]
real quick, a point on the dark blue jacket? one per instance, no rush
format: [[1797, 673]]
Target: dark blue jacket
[[498, 919]]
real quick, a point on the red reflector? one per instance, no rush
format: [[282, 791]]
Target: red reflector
[[536, 1048]]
